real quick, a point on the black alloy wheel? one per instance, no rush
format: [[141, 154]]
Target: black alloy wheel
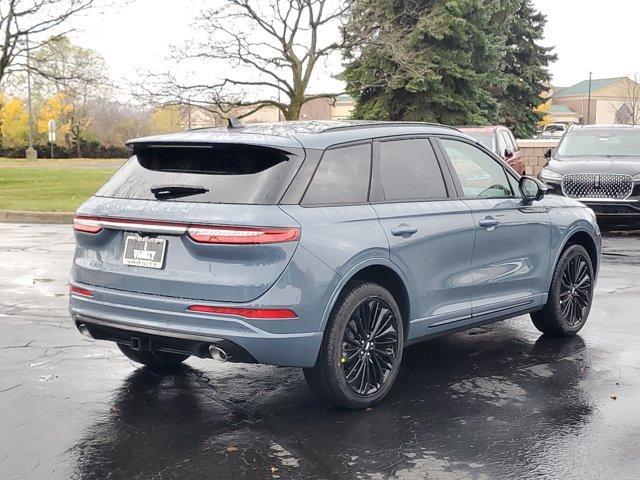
[[369, 346], [575, 290]]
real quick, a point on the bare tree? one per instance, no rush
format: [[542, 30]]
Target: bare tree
[[80, 74], [22, 21], [270, 50], [630, 111]]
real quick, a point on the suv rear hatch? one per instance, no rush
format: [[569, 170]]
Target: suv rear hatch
[[191, 221]]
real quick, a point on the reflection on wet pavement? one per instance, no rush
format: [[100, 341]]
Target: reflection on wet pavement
[[493, 402]]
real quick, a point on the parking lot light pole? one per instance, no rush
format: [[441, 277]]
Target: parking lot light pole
[[589, 101], [31, 153]]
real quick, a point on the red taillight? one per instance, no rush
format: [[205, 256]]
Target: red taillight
[[75, 290], [87, 224], [242, 235], [252, 313]]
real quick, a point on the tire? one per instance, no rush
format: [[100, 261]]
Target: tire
[[353, 371], [154, 358], [568, 307]]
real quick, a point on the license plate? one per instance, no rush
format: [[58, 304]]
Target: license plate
[[144, 252]]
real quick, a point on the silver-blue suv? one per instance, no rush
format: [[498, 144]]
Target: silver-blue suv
[[325, 245]]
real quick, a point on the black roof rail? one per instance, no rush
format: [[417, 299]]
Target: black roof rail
[[388, 123]]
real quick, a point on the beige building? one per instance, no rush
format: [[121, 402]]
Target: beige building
[[610, 98], [338, 108]]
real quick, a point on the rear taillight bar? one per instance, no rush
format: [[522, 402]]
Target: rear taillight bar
[[87, 224], [212, 234], [75, 290], [250, 313], [242, 235]]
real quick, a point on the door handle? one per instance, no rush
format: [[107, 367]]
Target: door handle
[[404, 231], [489, 223]]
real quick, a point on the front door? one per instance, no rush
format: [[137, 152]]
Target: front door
[[512, 247], [430, 234]]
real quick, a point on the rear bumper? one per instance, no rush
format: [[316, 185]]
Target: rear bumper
[[119, 316]]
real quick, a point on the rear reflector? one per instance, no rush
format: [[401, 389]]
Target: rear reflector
[[252, 313], [242, 235], [75, 290], [87, 224]]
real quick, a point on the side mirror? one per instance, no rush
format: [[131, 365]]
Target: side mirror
[[508, 153], [548, 154], [531, 189]]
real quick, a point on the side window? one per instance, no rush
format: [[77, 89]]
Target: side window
[[409, 170], [507, 138], [479, 174], [502, 144], [513, 140], [341, 178]]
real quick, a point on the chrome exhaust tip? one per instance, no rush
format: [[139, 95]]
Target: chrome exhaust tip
[[84, 330], [218, 354]]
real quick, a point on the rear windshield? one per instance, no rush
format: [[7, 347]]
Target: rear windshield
[[613, 143], [220, 173]]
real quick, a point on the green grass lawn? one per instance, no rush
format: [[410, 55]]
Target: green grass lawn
[[59, 187]]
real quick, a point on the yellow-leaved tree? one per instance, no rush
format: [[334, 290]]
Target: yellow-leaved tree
[[167, 119], [14, 122], [544, 109], [59, 109]]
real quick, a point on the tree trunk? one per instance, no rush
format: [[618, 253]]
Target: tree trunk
[[293, 112]]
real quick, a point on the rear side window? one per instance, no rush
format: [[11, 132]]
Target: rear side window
[[409, 170], [220, 173], [341, 178]]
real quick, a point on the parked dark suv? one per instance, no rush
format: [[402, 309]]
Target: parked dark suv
[[600, 166], [324, 245]]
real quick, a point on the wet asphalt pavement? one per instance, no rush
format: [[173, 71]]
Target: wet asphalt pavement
[[493, 402]]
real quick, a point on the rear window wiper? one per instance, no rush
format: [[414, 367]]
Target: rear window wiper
[[173, 191]]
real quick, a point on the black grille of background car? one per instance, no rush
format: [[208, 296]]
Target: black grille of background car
[[593, 185]]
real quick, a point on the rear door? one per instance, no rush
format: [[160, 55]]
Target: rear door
[[212, 230], [512, 247], [430, 233]]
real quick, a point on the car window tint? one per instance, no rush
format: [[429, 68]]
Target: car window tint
[[479, 174], [225, 173], [409, 170], [341, 178]]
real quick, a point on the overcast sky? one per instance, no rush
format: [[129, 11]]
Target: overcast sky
[[588, 35]]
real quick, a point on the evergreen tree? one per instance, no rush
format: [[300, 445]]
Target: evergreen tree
[[451, 61], [526, 71]]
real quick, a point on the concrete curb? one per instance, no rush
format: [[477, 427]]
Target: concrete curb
[[17, 216]]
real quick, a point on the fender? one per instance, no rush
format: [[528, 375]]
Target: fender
[[385, 262], [570, 233]]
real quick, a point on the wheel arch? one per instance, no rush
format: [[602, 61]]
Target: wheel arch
[[383, 272], [585, 239]]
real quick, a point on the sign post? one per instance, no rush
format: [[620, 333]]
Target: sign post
[[52, 134]]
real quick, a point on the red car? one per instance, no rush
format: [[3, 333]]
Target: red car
[[500, 141]]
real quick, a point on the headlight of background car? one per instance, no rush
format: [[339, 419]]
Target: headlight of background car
[[636, 178], [549, 175]]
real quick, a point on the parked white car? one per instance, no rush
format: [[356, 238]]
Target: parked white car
[[554, 130]]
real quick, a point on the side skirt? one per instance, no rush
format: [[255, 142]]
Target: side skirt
[[478, 321]]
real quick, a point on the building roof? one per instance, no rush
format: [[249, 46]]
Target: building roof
[[309, 134], [557, 108], [582, 88]]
